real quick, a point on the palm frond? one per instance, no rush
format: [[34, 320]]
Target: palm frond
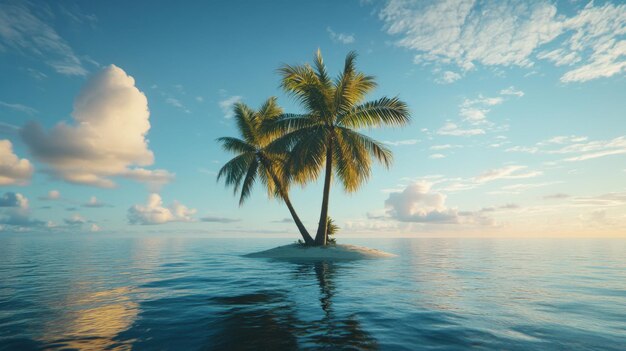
[[320, 69], [352, 163], [244, 118], [381, 112], [235, 145], [234, 170], [248, 182], [303, 83], [376, 149], [308, 154]]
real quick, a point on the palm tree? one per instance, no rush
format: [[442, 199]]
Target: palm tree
[[254, 161], [325, 135]]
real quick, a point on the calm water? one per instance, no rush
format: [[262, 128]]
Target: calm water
[[194, 293]]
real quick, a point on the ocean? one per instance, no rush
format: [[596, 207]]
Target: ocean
[[116, 292]]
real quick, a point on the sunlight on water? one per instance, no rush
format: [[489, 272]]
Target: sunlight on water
[[191, 293]]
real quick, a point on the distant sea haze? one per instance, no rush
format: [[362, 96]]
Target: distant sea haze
[[177, 293]]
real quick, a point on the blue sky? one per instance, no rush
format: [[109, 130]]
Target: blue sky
[[518, 114]]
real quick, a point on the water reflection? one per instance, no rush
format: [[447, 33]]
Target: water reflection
[[262, 319], [270, 320], [93, 322]]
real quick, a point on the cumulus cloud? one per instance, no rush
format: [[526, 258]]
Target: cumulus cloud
[[511, 33], [418, 203], [437, 156], [153, 212], [23, 30], [15, 211], [13, 170], [75, 220], [107, 138], [340, 37]]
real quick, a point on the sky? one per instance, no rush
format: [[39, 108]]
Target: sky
[[109, 113]]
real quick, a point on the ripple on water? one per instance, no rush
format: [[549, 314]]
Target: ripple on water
[[438, 294]]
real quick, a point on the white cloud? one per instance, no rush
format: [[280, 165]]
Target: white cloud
[[51, 196], [508, 172], [437, 156], [19, 107], [448, 77], [75, 220], [176, 103], [23, 31], [340, 37], [227, 105], [475, 110], [13, 170], [443, 147], [107, 138], [94, 203], [454, 130], [417, 203], [218, 219], [153, 212], [579, 147], [402, 142], [512, 91], [510, 33], [16, 212]]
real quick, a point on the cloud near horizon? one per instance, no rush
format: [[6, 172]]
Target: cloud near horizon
[[153, 212], [107, 138], [419, 204]]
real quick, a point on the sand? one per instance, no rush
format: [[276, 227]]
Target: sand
[[331, 252]]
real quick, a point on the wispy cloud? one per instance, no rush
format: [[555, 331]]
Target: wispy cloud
[[217, 219], [23, 30], [226, 105], [454, 130], [448, 77], [465, 33], [402, 142], [19, 107], [340, 37], [580, 148]]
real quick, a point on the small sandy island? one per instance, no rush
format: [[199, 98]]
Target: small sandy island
[[331, 252]]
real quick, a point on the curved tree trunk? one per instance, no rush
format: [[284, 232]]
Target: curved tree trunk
[[283, 194], [321, 238], [305, 234]]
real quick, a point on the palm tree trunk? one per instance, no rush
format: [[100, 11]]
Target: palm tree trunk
[[305, 234], [321, 238], [283, 194]]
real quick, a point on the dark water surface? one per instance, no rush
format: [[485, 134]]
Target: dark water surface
[[158, 293]]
